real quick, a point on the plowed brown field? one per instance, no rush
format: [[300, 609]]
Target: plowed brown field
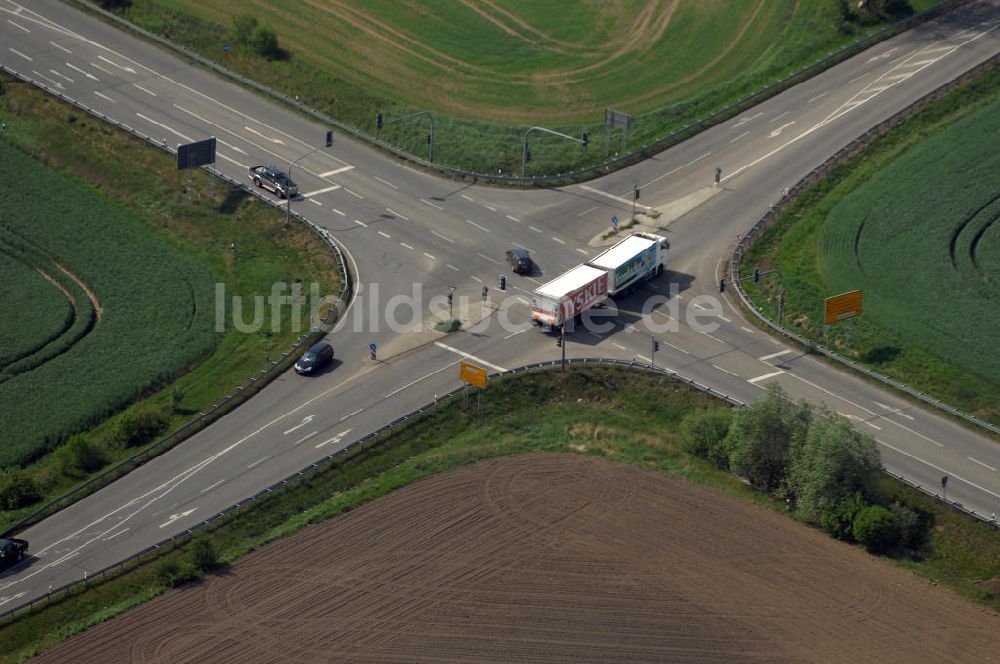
[[551, 558]]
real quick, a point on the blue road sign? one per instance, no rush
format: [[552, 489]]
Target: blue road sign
[[225, 48], [372, 347], [614, 220]]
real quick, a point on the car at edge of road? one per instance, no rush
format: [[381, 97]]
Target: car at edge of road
[[318, 356]]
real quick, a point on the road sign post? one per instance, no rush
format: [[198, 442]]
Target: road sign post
[[614, 223], [843, 307], [372, 351]]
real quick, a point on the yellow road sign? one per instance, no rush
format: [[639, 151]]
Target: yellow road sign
[[473, 375], [843, 306]]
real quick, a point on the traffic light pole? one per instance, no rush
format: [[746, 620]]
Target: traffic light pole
[[562, 333], [524, 158], [288, 199], [757, 274], [430, 137]]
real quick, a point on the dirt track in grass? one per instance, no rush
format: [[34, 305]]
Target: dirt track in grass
[[554, 558]]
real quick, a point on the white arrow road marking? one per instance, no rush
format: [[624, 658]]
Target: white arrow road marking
[[174, 517], [778, 131], [305, 420], [336, 439]]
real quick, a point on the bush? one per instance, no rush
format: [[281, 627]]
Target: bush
[[704, 434], [169, 572], [201, 555], [264, 42], [910, 526], [875, 529], [138, 426], [80, 456], [838, 519], [243, 27], [17, 489]]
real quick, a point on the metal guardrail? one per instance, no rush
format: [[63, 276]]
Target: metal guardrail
[[580, 174], [378, 437], [760, 228], [240, 392]]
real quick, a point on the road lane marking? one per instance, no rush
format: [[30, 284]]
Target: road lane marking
[[387, 183], [583, 251], [100, 68], [621, 199], [725, 370], [468, 198], [50, 80], [747, 329], [537, 230], [873, 426], [618, 346], [357, 412], [335, 439], [644, 359], [361, 223], [743, 135], [430, 256], [384, 234], [474, 277], [937, 468], [115, 64], [468, 356], [671, 172], [677, 348], [315, 202], [147, 91], [403, 244], [424, 200], [765, 376], [765, 358], [446, 239], [488, 258], [206, 489], [396, 214], [338, 212], [266, 138], [819, 96], [558, 240], [163, 126], [60, 75], [85, 73], [304, 438], [324, 190], [105, 97], [305, 420], [335, 171], [587, 211], [514, 219], [489, 207], [777, 132], [894, 411], [713, 337], [231, 147], [120, 532], [482, 228], [19, 26], [258, 462], [451, 267], [61, 48], [355, 194], [985, 465]]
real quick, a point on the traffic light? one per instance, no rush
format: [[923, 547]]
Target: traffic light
[[449, 299], [756, 275], [718, 175], [378, 121], [503, 282], [329, 139], [722, 285], [586, 139], [636, 190], [656, 344], [559, 341], [428, 138]]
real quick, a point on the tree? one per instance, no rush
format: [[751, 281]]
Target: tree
[[875, 528], [838, 520], [834, 462], [703, 434], [763, 436], [201, 555]]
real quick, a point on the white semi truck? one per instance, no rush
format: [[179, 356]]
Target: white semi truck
[[620, 269]]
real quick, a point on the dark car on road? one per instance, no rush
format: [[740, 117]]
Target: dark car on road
[[519, 260], [314, 359]]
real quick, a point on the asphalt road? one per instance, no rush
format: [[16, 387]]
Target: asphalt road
[[409, 234]]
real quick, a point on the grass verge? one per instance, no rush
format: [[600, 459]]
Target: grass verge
[[616, 413], [912, 284], [196, 216]]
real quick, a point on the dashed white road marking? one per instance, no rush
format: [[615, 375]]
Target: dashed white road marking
[[765, 358], [430, 256], [396, 214], [489, 207], [361, 223], [873, 426], [146, 90], [748, 330], [266, 138], [50, 80], [819, 96], [583, 251], [163, 126], [618, 346], [475, 278], [709, 335], [725, 370], [104, 97], [894, 411], [644, 358], [424, 200], [676, 347], [451, 267], [778, 117], [537, 230], [115, 64], [620, 199], [764, 377], [61, 75], [384, 234], [315, 202], [560, 241], [403, 244], [206, 489], [446, 239], [85, 73], [587, 211], [469, 356], [937, 468], [514, 219], [985, 465], [324, 190], [305, 438], [468, 198], [21, 27], [355, 194], [100, 68], [352, 414], [335, 171], [60, 47], [482, 228], [743, 135], [488, 258], [338, 212], [386, 182]]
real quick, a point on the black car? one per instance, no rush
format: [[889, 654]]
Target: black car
[[519, 260], [314, 359]]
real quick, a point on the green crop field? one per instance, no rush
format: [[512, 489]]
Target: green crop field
[[915, 224], [489, 70], [124, 310]]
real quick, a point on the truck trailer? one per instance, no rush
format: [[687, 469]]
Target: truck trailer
[[637, 258], [620, 269], [568, 295]]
